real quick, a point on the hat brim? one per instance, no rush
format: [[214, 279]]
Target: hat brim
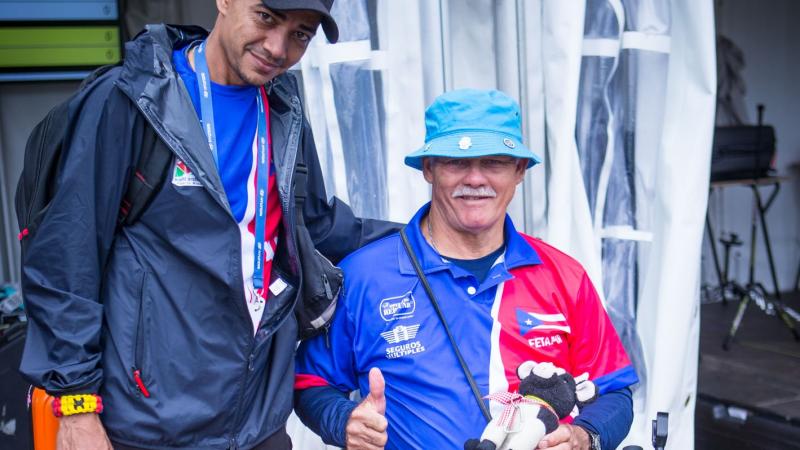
[[328, 23], [481, 143]]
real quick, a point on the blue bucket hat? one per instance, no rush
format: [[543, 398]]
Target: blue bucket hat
[[469, 123]]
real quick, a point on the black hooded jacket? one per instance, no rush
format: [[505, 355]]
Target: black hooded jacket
[[164, 296]]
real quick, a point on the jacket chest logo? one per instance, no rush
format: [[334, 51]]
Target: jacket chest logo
[[183, 176]]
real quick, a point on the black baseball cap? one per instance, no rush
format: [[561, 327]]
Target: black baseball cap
[[321, 6]]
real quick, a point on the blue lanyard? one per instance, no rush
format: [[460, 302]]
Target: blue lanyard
[[262, 165]]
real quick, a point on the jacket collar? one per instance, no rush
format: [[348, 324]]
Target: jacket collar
[[518, 251]]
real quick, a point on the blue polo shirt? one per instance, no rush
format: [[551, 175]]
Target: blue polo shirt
[[535, 303]]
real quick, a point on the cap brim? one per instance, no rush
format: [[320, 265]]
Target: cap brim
[[330, 28], [481, 143], [328, 23]]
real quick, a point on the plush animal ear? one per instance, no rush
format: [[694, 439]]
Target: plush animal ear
[[525, 369], [547, 370]]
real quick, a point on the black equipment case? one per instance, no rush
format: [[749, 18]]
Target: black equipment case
[[743, 151], [15, 419]]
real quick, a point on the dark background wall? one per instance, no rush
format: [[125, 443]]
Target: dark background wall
[[765, 31]]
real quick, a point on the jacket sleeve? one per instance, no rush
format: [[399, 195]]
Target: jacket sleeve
[[63, 260], [336, 231]]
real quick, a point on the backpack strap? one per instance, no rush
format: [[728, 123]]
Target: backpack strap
[[38, 180], [147, 178]]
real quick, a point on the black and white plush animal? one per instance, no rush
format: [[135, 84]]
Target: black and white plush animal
[[546, 394]]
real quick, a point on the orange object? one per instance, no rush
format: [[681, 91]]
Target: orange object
[[45, 423]]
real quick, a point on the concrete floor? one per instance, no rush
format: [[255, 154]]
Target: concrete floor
[[759, 374]]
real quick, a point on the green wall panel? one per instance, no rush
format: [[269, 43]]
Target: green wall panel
[[58, 46]]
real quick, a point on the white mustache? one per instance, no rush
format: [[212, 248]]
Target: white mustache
[[466, 191]]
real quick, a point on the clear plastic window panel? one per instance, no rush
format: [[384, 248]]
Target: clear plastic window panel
[[614, 126]]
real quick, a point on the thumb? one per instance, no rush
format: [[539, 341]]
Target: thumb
[[377, 386]]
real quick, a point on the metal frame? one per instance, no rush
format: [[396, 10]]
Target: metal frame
[[754, 291]]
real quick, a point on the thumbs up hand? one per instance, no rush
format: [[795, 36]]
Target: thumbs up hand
[[366, 428]]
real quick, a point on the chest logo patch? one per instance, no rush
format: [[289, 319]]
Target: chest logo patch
[[402, 342], [400, 333], [529, 321], [399, 307], [182, 176]]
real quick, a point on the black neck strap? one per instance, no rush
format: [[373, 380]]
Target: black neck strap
[[424, 280]]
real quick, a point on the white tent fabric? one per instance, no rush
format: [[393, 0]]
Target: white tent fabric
[[605, 126], [673, 127], [668, 314], [569, 221], [659, 60], [403, 33], [341, 77]]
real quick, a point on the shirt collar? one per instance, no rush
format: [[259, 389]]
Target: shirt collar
[[518, 251]]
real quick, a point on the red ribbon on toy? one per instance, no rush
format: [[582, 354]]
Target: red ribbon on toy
[[512, 400]]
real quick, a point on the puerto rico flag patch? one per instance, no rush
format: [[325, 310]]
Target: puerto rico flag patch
[[182, 176], [528, 321]]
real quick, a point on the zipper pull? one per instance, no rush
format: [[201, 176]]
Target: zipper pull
[[327, 338], [327, 284], [137, 377]]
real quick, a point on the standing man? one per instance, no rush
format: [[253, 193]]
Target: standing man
[[507, 298], [179, 328]]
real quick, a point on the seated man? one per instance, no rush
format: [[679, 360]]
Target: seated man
[[507, 298]]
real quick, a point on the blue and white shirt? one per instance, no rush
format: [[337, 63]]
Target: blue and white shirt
[[536, 304]]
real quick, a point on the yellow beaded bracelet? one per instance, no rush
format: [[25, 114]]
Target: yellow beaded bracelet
[[68, 405]]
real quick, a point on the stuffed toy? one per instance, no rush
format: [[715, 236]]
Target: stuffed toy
[[546, 394]]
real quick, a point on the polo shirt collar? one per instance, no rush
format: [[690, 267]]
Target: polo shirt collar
[[518, 251]]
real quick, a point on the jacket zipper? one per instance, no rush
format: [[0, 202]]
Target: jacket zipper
[[137, 377], [234, 442], [290, 204], [136, 369], [247, 369]]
